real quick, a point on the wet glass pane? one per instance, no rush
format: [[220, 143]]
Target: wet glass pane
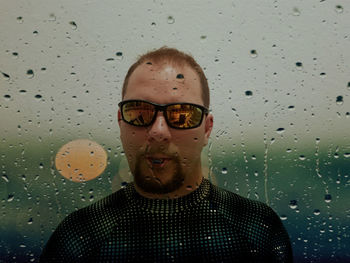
[[278, 73]]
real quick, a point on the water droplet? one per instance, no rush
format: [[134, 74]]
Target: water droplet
[[253, 53], [4, 176], [171, 20], [256, 196], [302, 157], [119, 55], [339, 9], [20, 19], [180, 76], [283, 217], [323, 74], [296, 11], [224, 170], [35, 33], [5, 75], [30, 73], [52, 17], [10, 198], [349, 85], [317, 212], [30, 221], [291, 107], [203, 37], [340, 100], [80, 111], [299, 65], [73, 24], [347, 155], [41, 165], [15, 54], [43, 69], [38, 96], [327, 198], [280, 130], [293, 204], [7, 97], [249, 93], [189, 188]]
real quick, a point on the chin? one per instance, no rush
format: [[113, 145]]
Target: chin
[[150, 181]]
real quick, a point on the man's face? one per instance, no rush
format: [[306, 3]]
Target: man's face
[[181, 149]]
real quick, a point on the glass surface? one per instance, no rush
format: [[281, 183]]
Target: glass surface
[[278, 73]]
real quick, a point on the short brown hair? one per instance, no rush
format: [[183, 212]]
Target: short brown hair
[[173, 56]]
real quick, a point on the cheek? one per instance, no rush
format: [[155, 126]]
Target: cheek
[[190, 144], [132, 141]]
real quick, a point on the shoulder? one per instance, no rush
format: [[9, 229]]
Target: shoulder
[[234, 201], [92, 217], [240, 209], [108, 206], [258, 223], [81, 230]]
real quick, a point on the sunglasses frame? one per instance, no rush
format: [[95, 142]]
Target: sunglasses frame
[[163, 108]]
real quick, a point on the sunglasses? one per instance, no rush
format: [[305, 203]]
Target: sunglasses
[[143, 113]]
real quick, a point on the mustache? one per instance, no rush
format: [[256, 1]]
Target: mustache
[[159, 150]]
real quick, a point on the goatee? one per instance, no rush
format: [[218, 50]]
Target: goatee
[[148, 182]]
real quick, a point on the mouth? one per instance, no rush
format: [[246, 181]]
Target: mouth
[[157, 162]]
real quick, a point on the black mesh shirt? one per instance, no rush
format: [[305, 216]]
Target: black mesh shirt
[[208, 225]]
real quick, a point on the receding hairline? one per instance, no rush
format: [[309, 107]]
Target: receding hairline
[[171, 56]]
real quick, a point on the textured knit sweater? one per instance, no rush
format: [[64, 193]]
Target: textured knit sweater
[[208, 225]]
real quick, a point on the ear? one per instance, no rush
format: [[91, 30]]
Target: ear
[[209, 122], [119, 117]]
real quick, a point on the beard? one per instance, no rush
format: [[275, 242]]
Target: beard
[[149, 179]]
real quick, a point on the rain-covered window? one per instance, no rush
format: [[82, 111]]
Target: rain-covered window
[[279, 76]]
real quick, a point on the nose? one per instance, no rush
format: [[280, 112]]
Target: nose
[[159, 130]]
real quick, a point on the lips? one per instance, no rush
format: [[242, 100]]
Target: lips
[[158, 161]]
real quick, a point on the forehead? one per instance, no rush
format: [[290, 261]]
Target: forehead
[[164, 83]]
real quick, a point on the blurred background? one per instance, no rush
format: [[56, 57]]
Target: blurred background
[[279, 79]]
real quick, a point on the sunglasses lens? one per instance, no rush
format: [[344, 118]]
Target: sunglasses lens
[[184, 116], [138, 113]]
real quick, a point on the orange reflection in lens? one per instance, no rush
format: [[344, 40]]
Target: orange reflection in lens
[[184, 116], [138, 113], [81, 160]]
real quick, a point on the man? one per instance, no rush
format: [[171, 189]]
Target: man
[[170, 213]]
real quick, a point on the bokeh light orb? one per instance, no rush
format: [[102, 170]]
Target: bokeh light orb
[[81, 160]]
